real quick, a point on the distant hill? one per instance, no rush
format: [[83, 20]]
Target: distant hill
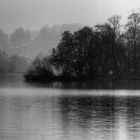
[[29, 43]]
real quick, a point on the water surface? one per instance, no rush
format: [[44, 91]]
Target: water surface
[[42, 112]]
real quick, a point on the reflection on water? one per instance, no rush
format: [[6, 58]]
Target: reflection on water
[[68, 117], [17, 81], [88, 117]]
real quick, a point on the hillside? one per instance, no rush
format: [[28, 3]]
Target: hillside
[[29, 43]]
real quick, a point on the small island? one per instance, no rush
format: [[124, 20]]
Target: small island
[[106, 51]]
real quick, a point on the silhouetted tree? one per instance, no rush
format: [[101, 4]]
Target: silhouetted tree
[[107, 39], [62, 55], [40, 70], [133, 30], [115, 24], [82, 42]]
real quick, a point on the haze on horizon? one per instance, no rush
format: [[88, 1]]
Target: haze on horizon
[[33, 14]]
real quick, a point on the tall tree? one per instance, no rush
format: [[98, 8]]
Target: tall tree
[[82, 50], [107, 48], [133, 32], [114, 22], [62, 55]]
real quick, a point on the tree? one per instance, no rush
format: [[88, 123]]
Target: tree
[[62, 55], [4, 40], [83, 51], [106, 34], [20, 37], [73, 55], [133, 32], [40, 70], [114, 22]]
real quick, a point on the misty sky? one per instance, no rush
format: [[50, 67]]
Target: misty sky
[[34, 14]]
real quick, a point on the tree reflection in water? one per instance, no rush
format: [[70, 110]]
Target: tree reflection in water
[[100, 117]]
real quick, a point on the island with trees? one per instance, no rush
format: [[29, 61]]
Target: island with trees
[[107, 51]]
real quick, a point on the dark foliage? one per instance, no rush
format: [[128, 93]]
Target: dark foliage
[[100, 53], [39, 71]]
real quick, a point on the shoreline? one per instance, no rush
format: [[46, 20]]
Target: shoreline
[[97, 84]]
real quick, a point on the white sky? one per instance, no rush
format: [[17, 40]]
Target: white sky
[[33, 14]]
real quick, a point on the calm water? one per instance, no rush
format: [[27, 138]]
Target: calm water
[[39, 112]]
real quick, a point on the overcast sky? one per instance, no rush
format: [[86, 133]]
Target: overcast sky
[[33, 14]]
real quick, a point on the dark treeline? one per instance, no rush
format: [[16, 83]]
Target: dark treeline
[[105, 51]]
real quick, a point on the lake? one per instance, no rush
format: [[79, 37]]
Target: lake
[[58, 112]]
